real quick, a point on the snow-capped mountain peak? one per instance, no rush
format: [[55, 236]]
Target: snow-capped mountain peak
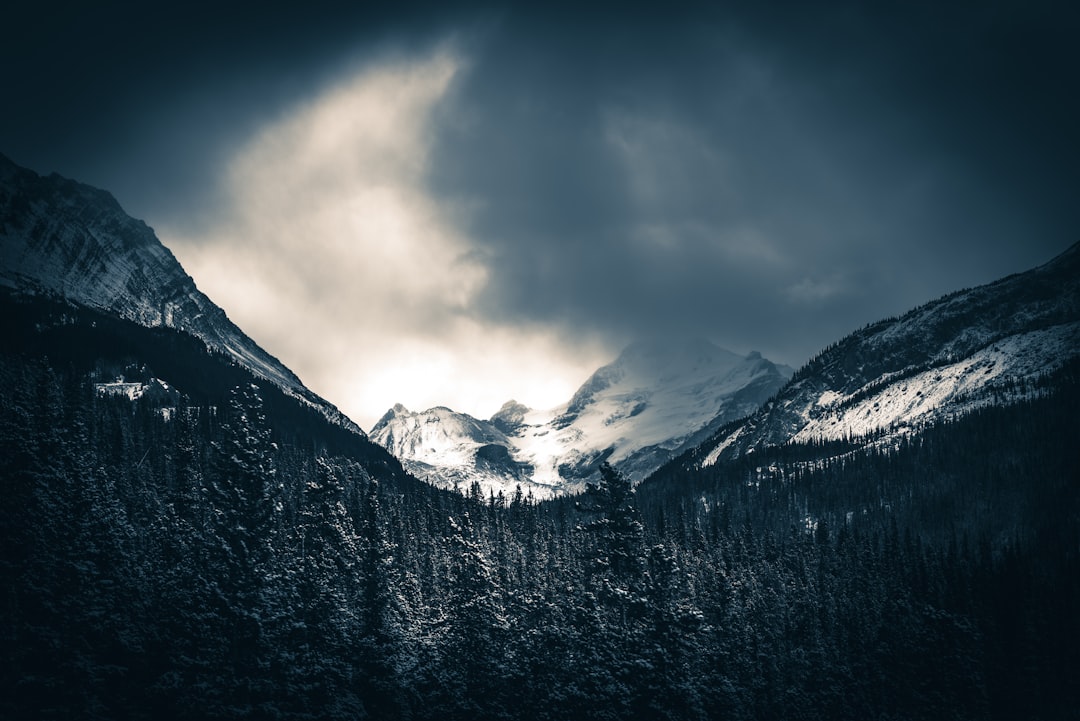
[[448, 448], [635, 412]]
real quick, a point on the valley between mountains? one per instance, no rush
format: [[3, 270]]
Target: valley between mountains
[[658, 400], [891, 530]]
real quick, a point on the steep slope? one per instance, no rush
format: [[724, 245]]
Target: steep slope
[[655, 400], [972, 348], [116, 358], [59, 237]]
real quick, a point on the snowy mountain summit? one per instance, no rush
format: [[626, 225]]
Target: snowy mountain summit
[[655, 400], [63, 239]]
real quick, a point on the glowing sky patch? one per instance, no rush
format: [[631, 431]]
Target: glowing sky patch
[[333, 256]]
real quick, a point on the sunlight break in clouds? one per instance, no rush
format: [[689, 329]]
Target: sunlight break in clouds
[[334, 258]]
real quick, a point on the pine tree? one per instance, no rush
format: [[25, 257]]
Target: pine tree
[[325, 583], [380, 637], [244, 495], [474, 624], [619, 534]]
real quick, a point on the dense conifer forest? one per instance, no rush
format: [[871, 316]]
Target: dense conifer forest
[[206, 552]]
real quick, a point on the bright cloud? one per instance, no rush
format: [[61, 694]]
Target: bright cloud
[[335, 258]]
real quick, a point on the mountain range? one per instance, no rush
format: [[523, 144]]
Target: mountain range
[[890, 531], [660, 400], [656, 400]]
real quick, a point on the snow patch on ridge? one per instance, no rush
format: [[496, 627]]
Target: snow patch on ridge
[[131, 391], [953, 388], [714, 455]]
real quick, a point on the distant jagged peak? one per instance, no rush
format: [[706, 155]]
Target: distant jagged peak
[[397, 411], [665, 361], [399, 414], [511, 411], [656, 397]]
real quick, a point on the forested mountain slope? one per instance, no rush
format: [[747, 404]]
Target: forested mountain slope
[[168, 557], [970, 349]]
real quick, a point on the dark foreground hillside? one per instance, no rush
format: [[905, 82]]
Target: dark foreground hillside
[[205, 555]]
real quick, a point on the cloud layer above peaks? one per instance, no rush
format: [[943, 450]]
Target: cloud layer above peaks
[[458, 204]]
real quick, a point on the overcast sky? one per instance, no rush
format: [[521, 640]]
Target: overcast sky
[[462, 204]]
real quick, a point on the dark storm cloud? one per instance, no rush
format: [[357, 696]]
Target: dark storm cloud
[[769, 175], [770, 178], [148, 100]]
